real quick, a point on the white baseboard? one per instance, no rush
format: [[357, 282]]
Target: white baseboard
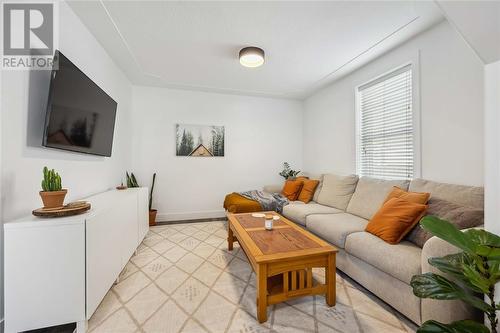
[[207, 214]]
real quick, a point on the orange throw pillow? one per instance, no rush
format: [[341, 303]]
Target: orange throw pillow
[[307, 192], [292, 188], [415, 197], [395, 219]]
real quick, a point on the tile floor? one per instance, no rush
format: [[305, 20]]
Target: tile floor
[[183, 279]]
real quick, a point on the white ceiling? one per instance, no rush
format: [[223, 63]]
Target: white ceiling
[[194, 45]]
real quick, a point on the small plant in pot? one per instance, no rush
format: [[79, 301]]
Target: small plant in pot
[[152, 212], [52, 193], [288, 172], [131, 180]]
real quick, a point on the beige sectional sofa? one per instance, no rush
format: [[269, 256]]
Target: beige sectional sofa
[[339, 212]]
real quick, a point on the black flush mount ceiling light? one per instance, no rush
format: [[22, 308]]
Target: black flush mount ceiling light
[[251, 56]]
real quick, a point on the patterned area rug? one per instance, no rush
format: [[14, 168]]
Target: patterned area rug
[[183, 279]]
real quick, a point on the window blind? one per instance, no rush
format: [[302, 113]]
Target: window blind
[[385, 129]]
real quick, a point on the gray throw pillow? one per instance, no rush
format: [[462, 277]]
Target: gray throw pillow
[[461, 216]]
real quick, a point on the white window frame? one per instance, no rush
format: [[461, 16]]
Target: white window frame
[[415, 67]]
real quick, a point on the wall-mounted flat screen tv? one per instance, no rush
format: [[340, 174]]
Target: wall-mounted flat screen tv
[[80, 116]]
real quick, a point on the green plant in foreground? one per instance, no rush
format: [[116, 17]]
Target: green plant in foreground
[[473, 271], [287, 172], [131, 181], [151, 192], [51, 180]]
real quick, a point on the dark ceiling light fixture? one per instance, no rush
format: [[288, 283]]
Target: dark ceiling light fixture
[[252, 56]]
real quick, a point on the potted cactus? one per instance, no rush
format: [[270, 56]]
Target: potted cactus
[[52, 193], [152, 212]]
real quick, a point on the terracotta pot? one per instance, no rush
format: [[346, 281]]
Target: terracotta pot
[[152, 216], [53, 199]]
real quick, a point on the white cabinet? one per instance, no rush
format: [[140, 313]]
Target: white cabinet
[[44, 275], [103, 255], [57, 271], [143, 210]]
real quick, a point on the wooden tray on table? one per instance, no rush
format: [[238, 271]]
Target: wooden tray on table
[[73, 208]]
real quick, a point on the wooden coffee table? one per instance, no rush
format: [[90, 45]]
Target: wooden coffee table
[[283, 259]]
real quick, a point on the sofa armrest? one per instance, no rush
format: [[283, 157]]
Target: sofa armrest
[[443, 311], [273, 188], [435, 247]]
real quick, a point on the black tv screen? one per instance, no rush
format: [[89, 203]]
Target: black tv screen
[[80, 116]]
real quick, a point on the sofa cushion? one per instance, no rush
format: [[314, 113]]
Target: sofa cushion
[[370, 194], [401, 261], [335, 228], [308, 189], [298, 213], [337, 190], [461, 216], [317, 177], [471, 196], [291, 189], [395, 219], [416, 197], [297, 202]]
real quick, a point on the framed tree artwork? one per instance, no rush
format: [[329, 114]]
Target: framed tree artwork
[[199, 140]]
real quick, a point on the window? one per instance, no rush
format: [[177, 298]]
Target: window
[[385, 140]]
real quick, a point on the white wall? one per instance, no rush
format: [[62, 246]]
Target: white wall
[[261, 133], [24, 100], [24, 96], [451, 102], [492, 152], [492, 147], [1, 212], [479, 24]]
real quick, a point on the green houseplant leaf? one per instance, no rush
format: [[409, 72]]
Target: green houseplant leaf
[[430, 285], [483, 237], [134, 180], [129, 181], [287, 171], [151, 192], [476, 270], [448, 232], [494, 270], [462, 326], [477, 279], [454, 265]]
